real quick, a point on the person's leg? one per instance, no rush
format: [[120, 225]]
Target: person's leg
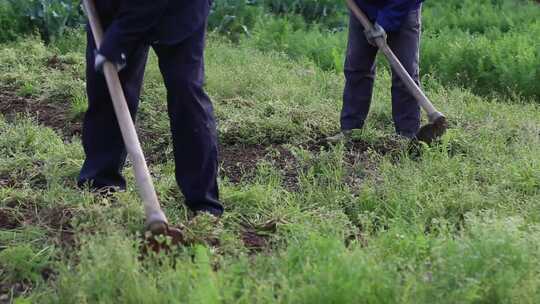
[[193, 125], [359, 77], [101, 137], [405, 44]]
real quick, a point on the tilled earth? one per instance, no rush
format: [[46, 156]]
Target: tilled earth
[[55, 221], [48, 114], [238, 163]]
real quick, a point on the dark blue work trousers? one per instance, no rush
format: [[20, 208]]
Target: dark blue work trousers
[[191, 118], [360, 67]]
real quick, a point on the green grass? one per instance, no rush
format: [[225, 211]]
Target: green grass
[[486, 46], [458, 223]]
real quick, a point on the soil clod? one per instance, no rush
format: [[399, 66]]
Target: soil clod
[[8, 219], [56, 63], [254, 241], [433, 131], [162, 239]]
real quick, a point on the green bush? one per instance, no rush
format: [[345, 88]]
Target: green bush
[[234, 18], [292, 36], [479, 16], [328, 12], [464, 42], [49, 17], [22, 263], [12, 22], [495, 62]]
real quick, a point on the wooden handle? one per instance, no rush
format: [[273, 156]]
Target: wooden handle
[[152, 209], [413, 88]]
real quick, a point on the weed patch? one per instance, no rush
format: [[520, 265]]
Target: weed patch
[[373, 221]]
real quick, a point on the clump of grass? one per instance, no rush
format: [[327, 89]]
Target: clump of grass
[[23, 263], [401, 265]]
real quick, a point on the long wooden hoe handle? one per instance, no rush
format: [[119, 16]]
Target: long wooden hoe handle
[[152, 209], [415, 90]]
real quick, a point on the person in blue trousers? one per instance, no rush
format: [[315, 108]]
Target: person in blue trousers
[[399, 22], [176, 32]]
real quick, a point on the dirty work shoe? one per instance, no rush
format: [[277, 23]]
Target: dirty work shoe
[[343, 136]]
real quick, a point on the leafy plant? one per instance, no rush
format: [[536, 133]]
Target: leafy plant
[[328, 12], [12, 22], [234, 18], [50, 17]]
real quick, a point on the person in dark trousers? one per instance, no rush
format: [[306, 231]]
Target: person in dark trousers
[[176, 31], [399, 22]]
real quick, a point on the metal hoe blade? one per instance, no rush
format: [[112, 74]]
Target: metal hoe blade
[[161, 237], [433, 131]]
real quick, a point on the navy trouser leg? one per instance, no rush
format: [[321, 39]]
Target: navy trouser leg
[[192, 122], [405, 44], [101, 137], [359, 77]]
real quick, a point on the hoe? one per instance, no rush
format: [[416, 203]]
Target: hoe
[[156, 221], [437, 124]]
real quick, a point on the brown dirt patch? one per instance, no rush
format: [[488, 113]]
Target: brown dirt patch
[[48, 114], [6, 181], [8, 219], [239, 162], [256, 238], [9, 291], [58, 217], [56, 63], [55, 220], [254, 241]]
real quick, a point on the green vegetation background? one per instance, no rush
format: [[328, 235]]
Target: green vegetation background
[[454, 223], [487, 45]]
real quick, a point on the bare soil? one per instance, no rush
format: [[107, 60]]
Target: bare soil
[[257, 238], [47, 114], [55, 220], [9, 291], [56, 63], [8, 220], [238, 161]]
